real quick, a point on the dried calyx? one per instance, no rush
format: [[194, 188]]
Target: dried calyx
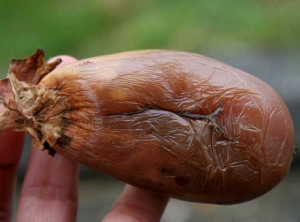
[[20, 92]]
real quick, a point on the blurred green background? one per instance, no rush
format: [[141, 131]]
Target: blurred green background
[[258, 36], [90, 28]]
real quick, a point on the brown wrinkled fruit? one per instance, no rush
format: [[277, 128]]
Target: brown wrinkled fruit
[[171, 122]]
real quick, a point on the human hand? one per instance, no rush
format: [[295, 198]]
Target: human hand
[[50, 188]]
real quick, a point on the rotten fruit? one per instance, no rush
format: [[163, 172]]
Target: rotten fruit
[[175, 123]]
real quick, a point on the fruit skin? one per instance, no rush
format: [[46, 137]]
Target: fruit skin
[[131, 116]]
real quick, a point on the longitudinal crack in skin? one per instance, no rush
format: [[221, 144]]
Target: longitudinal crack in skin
[[209, 117]]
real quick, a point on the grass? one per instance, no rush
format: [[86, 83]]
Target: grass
[[101, 27]]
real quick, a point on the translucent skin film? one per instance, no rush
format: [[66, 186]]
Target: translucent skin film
[[172, 122]]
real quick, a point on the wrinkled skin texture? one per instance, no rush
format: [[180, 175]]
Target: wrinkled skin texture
[[129, 115]]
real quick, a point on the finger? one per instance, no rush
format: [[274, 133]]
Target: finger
[[50, 188], [49, 192], [11, 146], [137, 205]]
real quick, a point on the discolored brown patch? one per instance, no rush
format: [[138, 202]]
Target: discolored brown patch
[[182, 181], [167, 171], [63, 141], [23, 121], [296, 148]]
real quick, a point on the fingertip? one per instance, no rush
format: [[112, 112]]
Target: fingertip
[[50, 188], [66, 59], [136, 204]]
